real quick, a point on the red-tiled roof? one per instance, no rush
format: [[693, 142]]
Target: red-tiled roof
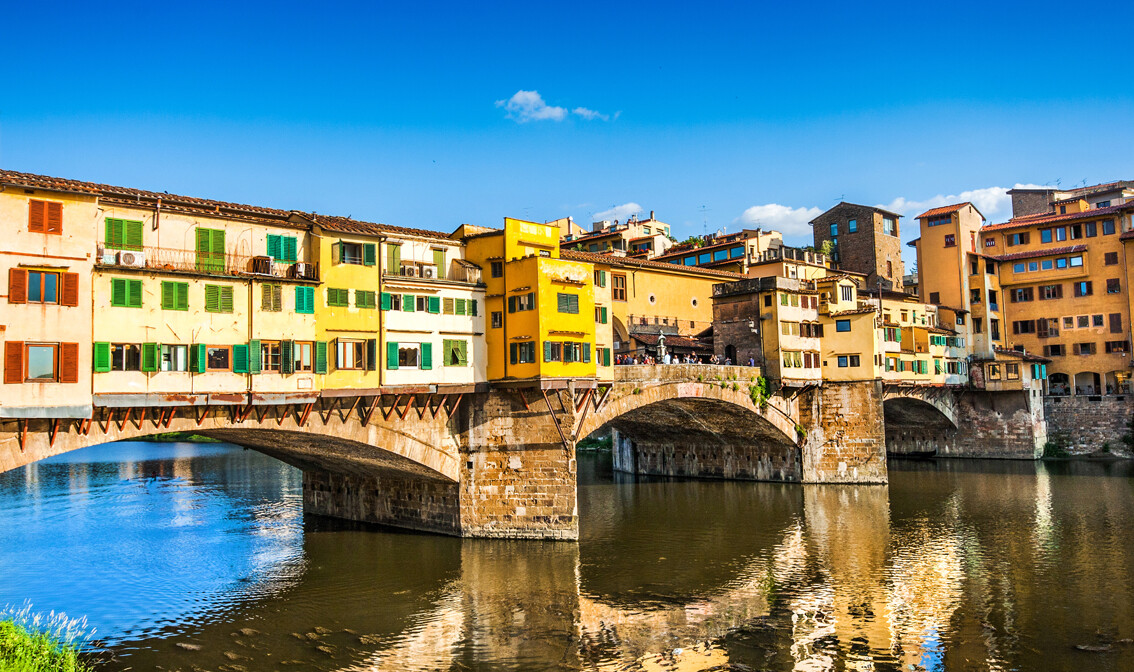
[[1129, 235], [671, 341], [857, 311], [1032, 254], [943, 210], [1046, 217], [612, 260], [348, 225]]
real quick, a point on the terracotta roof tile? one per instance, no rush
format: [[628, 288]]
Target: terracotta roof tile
[[1044, 218], [943, 210], [857, 311], [671, 341], [1032, 254], [612, 260], [348, 225]]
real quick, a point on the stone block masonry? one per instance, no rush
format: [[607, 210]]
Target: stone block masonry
[[1089, 422], [389, 499], [845, 440]]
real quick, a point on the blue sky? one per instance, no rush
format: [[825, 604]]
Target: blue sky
[[729, 114]]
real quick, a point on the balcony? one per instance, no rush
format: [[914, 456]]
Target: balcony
[[189, 261]]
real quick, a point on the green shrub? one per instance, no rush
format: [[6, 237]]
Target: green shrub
[[35, 643], [1056, 446]]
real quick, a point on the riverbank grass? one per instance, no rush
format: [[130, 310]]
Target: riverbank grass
[[32, 643]]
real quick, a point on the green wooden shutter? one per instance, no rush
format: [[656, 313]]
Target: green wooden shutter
[[602, 278], [320, 356], [168, 295], [426, 356], [464, 352], [217, 250], [547, 351], [387, 301], [606, 356], [391, 355], [439, 262], [212, 298], [226, 299], [134, 293], [274, 246], [459, 307], [255, 354], [408, 303], [240, 358], [287, 357], [369, 254], [102, 357], [289, 248], [434, 304], [182, 296], [472, 307], [604, 315], [371, 354], [132, 239], [118, 292], [586, 350], [393, 259], [511, 304], [150, 356], [113, 238], [203, 248], [562, 302], [197, 358]]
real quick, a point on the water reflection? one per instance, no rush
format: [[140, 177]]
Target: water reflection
[[190, 556]]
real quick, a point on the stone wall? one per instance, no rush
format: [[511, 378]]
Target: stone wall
[[867, 250], [1089, 424], [741, 461], [518, 479], [388, 499], [993, 425], [846, 439]]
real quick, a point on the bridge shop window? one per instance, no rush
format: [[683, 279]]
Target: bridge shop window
[[522, 353], [125, 357], [41, 362], [218, 357], [297, 356], [270, 356], [1012, 371], [350, 354], [174, 358], [456, 352], [851, 361]]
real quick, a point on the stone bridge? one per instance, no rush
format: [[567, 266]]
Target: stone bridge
[[498, 460]]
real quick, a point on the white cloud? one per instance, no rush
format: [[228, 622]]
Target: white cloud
[[525, 106], [993, 202], [590, 114], [619, 212], [792, 222]]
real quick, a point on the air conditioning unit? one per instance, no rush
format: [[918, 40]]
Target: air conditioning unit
[[135, 259], [302, 270], [429, 271], [409, 271]]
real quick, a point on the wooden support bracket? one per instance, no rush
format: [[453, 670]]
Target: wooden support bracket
[[365, 416], [343, 416], [524, 399], [433, 411], [409, 403], [141, 419], [104, 422], [555, 419], [456, 403], [386, 414], [326, 412], [52, 430], [201, 418], [262, 413], [306, 413], [421, 409], [122, 423]]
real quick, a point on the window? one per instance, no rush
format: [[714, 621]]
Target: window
[[218, 357], [43, 287], [618, 287], [842, 325], [301, 356], [1019, 268], [992, 298], [305, 300], [1075, 262], [351, 354], [1092, 229], [704, 258], [1108, 227], [552, 351], [1056, 350], [1051, 292], [174, 358], [974, 296], [1083, 288], [496, 269], [1024, 327], [600, 278], [210, 250], [601, 315], [497, 319], [282, 248], [938, 220], [41, 362], [1047, 264], [122, 234], [1018, 239], [364, 298], [271, 298], [338, 297], [523, 353], [1021, 295], [846, 292], [1012, 371], [1047, 235], [990, 242], [950, 240], [270, 356], [834, 229], [1113, 286], [1084, 348], [522, 302], [994, 328], [125, 357], [720, 255], [568, 303], [1033, 266], [852, 225], [456, 352], [1117, 346], [1063, 209], [125, 293], [994, 372], [174, 296], [1075, 231], [218, 298], [1115, 323], [789, 328], [45, 217], [1083, 321], [852, 361], [890, 228], [1110, 258], [439, 262], [364, 254]]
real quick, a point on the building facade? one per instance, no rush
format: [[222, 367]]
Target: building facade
[[863, 239]]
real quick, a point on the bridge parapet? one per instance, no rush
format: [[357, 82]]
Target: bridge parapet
[[685, 372]]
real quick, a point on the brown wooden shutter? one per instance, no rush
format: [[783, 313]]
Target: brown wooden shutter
[[14, 362], [70, 289], [69, 363], [17, 285], [37, 216], [54, 218], [1116, 323]]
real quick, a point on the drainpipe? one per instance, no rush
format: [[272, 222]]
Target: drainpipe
[[381, 347]]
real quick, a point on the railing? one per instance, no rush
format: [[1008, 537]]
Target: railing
[[190, 261]]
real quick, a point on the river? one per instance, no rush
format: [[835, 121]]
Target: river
[[199, 557]]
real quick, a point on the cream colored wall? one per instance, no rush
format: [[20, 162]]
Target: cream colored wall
[[285, 324], [425, 327], [72, 251]]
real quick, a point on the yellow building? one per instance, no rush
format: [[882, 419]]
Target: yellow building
[[45, 269], [1066, 279], [540, 306]]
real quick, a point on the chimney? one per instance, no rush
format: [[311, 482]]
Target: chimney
[[651, 214]]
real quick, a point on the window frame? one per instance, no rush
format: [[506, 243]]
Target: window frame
[[56, 364], [42, 277], [209, 368]]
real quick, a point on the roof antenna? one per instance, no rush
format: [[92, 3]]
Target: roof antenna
[[704, 221], [841, 198]]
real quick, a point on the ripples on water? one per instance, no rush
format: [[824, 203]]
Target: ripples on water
[[188, 556]]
